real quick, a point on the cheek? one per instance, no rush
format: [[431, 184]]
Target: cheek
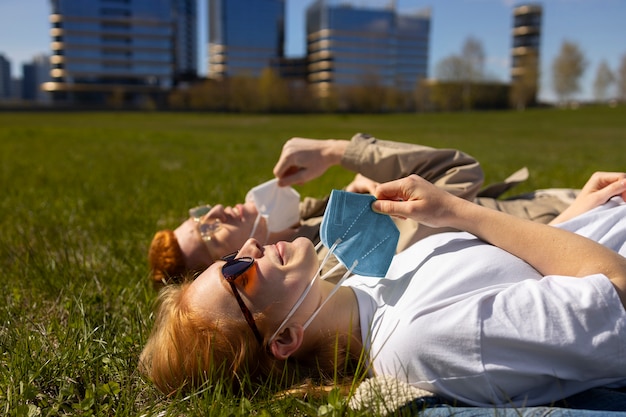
[[231, 239]]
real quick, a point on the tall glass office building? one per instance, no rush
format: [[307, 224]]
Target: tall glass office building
[[185, 14], [123, 47], [5, 77], [351, 45], [245, 36], [34, 74]]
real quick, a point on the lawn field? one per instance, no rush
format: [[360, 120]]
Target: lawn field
[[83, 193]]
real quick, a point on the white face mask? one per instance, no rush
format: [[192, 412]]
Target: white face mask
[[280, 206]]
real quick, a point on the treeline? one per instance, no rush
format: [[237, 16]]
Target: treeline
[[272, 94]]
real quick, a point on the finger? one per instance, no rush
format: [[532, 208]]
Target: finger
[[389, 191], [400, 189], [607, 178], [613, 189], [289, 172], [392, 208], [295, 176], [284, 167]]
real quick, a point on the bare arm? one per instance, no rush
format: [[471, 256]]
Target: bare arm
[[549, 250], [598, 190], [303, 159]]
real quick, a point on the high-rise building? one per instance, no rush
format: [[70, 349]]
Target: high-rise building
[[525, 50], [5, 77], [245, 36], [352, 45], [185, 13], [122, 50], [34, 74]]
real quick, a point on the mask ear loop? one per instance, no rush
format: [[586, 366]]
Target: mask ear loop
[[256, 225], [308, 288], [334, 290]]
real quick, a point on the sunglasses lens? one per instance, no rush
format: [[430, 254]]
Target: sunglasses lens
[[199, 211], [230, 256], [235, 267], [208, 228]]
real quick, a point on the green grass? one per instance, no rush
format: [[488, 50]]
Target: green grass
[[82, 194]]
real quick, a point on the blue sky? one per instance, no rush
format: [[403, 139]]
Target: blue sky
[[597, 26]]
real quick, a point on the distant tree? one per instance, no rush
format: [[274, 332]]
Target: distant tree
[[422, 95], [621, 79], [116, 99], [368, 95], [473, 56], [567, 69], [451, 68], [446, 95], [525, 86], [273, 94], [467, 68], [602, 83], [243, 94]]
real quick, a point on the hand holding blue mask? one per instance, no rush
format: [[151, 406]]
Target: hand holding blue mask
[[361, 235], [363, 241]]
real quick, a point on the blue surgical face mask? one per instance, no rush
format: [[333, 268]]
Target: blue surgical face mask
[[362, 236], [362, 240]]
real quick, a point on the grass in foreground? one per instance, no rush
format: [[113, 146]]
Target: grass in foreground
[[82, 194]]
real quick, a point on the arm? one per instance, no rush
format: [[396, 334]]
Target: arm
[[304, 159], [362, 185], [550, 250], [598, 190]]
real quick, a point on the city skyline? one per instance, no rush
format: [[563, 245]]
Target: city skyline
[[594, 25]]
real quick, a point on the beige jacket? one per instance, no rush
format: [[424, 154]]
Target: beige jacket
[[384, 161], [449, 169]]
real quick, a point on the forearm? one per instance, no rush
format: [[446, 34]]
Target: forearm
[[550, 250], [382, 161]]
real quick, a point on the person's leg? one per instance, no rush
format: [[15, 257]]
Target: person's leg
[[446, 411], [596, 402], [597, 399]]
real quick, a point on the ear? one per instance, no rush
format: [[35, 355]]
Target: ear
[[287, 342]]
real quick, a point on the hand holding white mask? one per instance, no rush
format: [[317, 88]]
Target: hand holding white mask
[[280, 206]]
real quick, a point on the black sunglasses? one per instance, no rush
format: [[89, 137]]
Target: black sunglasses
[[233, 268]]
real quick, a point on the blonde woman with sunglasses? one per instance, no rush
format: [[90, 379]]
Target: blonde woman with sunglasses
[[485, 318]]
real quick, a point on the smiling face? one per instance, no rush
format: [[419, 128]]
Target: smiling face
[[271, 286], [235, 227]]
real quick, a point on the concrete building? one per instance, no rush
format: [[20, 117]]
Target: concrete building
[[525, 50]]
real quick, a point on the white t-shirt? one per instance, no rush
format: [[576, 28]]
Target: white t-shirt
[[471, 322]]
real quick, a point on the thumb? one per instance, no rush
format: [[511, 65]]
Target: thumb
[[391, 208]]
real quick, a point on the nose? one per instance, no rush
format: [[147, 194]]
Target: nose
[[251, 248], [216, 212]]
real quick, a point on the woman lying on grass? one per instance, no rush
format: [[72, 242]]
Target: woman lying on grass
[[507, 312], [203, 238]]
